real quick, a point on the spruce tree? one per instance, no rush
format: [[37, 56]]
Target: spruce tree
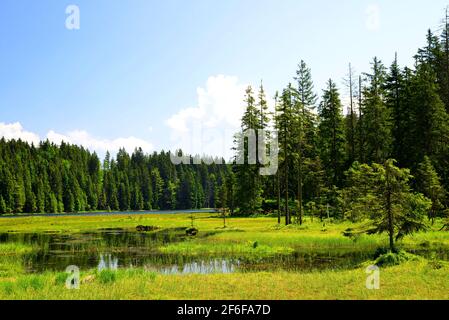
[[2, 205], [18, 197], [157, 186], [303, 129], [396, 103], [431, 123], [444, 66], [285, 119], [388, 200], [247, 169], [429, 184], [351, 119], [331, 134], [377, 120]]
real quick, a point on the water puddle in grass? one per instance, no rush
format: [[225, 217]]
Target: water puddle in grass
[[118, 248]]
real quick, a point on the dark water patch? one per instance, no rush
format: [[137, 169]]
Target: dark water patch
[[102, 238], [435, 253], [118, 248], [206, 266], [305, 262]]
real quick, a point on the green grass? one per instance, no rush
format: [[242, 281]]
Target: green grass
[[107, 276], [240, 230], [8, 249], [248, 237], [210, 248], [10, 258], [411, 280], [10, 266]]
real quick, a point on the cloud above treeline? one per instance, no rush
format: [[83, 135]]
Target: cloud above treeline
[[208, 127], [11, 131], [79, 137]]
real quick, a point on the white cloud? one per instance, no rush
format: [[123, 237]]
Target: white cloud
[[78, 137], [83, 138], [372, 21], [209, 127], [15, 131]]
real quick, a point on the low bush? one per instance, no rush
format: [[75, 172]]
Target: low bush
[[31, 282], [107, 276], [394, 259]]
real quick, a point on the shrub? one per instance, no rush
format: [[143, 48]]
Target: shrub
[[31, 282], [7, 287], [383, 251], [61, 278], [107, 276], [394, 259]]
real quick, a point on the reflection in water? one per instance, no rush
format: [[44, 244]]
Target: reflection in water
[[105, 249], [116, 248], [203, 267], [107, 262]]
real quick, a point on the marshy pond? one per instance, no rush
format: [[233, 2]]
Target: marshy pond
[[118, 248]]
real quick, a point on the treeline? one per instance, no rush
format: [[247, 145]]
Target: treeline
[[386, 158], [396, 124], [67, 178]]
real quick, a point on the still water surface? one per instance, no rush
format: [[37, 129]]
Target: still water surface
[[117, 248]]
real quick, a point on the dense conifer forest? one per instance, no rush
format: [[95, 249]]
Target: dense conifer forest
[[68, 178], [383, 154]]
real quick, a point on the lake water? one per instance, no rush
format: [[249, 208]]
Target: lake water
[[117, 248]]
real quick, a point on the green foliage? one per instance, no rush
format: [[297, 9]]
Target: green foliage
[[394, 258], [18, 197], [402, 115], [377, 120], [68, 178], [107, 276], [331, 134], [357, 198], [429, 184], [249, 183], [3, 209], [397, 98], [432, 122], [61, 278], [33, 282], [388, 200]]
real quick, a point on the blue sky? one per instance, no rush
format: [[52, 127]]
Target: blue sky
[[146, 72]]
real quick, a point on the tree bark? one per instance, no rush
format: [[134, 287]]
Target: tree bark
[[389, 210], [278, 182], [361, 142], [352, 142], [287, 211], [300, 205]]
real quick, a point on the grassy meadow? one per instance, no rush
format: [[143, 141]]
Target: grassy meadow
[[260, 237]]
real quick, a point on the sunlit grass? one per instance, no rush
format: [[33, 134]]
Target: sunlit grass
[[249, 249], [8, 249], [413, 280], [243, 237], [271, 237], [239, 230], [10, 258]]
